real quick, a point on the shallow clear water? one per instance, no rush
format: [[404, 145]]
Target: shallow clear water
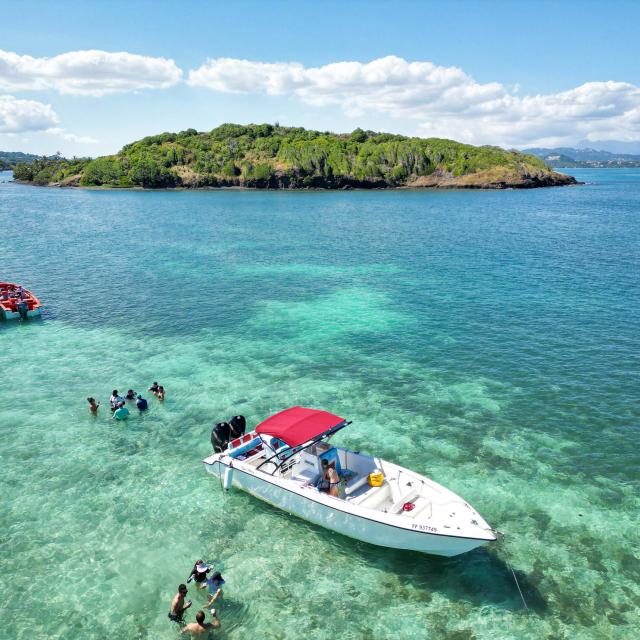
[[489, 340]]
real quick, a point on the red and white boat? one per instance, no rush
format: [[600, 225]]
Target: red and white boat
[[378, 502], [17, 302]]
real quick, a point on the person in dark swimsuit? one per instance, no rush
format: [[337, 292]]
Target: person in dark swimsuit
[[330, 478], [199, 574]]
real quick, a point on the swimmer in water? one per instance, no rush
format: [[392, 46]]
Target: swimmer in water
[[160, 393], [93, 405], [200, 627]]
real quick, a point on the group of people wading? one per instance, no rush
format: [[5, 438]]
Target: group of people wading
[[117, 403], [179, 605]]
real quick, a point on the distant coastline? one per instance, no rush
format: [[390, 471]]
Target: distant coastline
[[273, 157]]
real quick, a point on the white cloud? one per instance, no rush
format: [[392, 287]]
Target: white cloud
[[70, 137], [440, 101], [92, 72], [17, 116]]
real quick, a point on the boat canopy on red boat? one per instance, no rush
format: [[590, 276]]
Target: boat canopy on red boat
[[298, 425]]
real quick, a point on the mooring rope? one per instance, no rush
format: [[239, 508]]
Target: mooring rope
[[513, 573]]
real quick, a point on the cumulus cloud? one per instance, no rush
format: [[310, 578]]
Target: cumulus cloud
[[18, 116], [92, 72], [440, 101], [70, 137]]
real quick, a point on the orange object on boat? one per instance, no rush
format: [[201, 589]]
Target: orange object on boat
[[18, 302]]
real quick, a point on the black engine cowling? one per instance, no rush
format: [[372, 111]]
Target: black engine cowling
[[220, 435], [238, 426]]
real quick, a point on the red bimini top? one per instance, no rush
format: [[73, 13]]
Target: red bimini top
[[298, 425]]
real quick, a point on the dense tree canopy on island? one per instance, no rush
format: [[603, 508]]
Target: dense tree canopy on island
[[267, 156]]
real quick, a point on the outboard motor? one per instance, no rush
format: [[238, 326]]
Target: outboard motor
[[220, 436], [238, 426], [23, 309]]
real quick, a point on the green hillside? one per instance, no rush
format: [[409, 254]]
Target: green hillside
[[8, 159], [266, 156]]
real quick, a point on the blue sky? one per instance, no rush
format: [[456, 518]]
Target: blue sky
[[506, 73]]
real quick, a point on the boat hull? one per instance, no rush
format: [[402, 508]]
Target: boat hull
[[300, 502], [14, 315]]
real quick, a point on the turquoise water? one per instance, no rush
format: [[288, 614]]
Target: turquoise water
[[490, 340]]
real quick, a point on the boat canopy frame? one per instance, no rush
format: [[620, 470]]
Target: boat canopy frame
[[291, 450]]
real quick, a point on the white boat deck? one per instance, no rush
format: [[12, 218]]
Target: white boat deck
[[400, 487]]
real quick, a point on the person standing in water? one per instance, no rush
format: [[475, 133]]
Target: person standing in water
[[199, 573], [141, 403], [178, 605], [200, 627], [121, 413], [93, 405], [214, 584], [160, 393], [115, 400], [154, 388]]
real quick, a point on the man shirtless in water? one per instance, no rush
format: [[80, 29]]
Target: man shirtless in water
[[178, 605], [200, 626]]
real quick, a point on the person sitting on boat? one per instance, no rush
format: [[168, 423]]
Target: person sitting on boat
[[199, 573], [214, 584], [131, 394], [115, 400], [330, 478], [160, 394], [154, 388], [5, 295], [121, 413], [178, 605], [141, 403], [200, 626], [93, 405]]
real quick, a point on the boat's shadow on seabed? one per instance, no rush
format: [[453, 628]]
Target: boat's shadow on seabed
[[482, 576]]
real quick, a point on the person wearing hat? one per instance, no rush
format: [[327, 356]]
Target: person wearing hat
[[141, 403], [178, 605], [214, 584], [199, 573], [200, 626]]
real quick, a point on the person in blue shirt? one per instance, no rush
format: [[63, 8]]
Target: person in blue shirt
[[214, 585], [141, 403], [121, 413]]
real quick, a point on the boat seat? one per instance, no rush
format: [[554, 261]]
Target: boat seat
[[307, 475], [372, 498]]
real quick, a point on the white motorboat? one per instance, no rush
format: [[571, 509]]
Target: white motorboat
[[378, 502]]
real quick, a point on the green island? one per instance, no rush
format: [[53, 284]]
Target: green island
[[268, 156]]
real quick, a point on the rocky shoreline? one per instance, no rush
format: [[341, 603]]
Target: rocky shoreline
[[482, 180]]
